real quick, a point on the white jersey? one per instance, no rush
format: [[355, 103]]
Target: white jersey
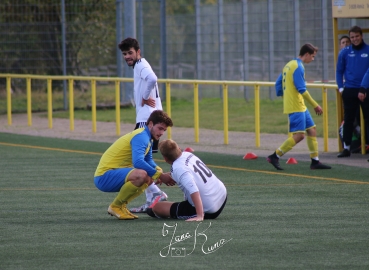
[[145, 86], [192, 175]]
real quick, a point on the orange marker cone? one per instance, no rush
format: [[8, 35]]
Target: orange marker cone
[[291, 161], [250, 156], [189, 149]]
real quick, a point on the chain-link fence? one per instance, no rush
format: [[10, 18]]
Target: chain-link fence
[[205, 39]]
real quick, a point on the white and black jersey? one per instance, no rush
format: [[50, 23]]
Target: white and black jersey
[[192, 175], [145, 86]]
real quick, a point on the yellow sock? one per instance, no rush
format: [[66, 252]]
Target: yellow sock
[[125, 194], [313, 146], [140, 190], [286, 146]]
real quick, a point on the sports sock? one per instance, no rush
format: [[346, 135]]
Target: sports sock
[[150, 191], [313, 147], [285, 147], [138, 193], [127, 193], [346, 146]]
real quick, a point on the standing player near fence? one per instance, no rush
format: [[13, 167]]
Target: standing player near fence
[[292, 86], [147, 100]]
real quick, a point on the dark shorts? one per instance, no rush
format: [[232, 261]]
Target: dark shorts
[[184, 210]]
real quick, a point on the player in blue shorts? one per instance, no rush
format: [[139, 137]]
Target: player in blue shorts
[[292, 86], [127, 166]]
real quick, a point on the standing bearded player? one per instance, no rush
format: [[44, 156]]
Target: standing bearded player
[[147, 100]]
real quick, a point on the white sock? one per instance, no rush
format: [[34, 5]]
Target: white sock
[[150, 191], [346, 146]]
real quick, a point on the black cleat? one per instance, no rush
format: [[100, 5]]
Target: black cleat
[[274, 161], [319, 166], [344, 153]]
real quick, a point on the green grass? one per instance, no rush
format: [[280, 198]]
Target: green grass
[[241, 112], [52, 216], [241, 116]]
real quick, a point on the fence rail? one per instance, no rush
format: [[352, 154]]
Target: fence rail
[[168, 82]]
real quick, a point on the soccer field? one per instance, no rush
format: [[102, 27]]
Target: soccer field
[[53, 217]]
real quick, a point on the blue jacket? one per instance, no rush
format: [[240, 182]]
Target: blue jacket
[[351, 65], [365, 81]]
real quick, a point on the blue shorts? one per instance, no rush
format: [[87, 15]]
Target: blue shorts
[[299, 122], [112, 180]]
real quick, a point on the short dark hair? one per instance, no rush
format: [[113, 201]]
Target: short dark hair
[[355, 29], [159, 116], [308, 48], [344, 37], [129, 43]]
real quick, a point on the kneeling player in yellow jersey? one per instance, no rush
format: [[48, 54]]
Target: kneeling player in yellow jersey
[[292, 86], [127, 166]]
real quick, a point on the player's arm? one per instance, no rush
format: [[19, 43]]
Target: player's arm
[[151, 79], [165, 178], [364, 85], [318, 110], [185, 178], [279, 86], [340, 69], [199, 208], [309, 99], [138, 157], [300, 84]]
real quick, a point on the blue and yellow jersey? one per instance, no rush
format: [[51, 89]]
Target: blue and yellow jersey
[[293, 85], [132, 150]]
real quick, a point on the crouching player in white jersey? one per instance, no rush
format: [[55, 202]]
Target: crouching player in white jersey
[[205, 195]]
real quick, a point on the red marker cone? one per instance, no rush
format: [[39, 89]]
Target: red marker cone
[[291, 161], [189, 149], [250, 156]]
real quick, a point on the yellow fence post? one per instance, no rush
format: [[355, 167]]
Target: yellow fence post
[[71, 104], [9, 100], [325, 118], [29, 101], [339, 118], [93, 104], [117, 107], [49, 103], [225, 112], [257, 115], [169, 108], [362, 131], [196, 110]]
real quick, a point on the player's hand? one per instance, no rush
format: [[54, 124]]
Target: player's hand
[[318, 110], [195, 219], [166, 179], [361, 96], [150, 102]]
